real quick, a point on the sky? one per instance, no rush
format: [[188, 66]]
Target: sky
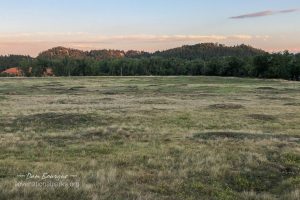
[[31, 26]]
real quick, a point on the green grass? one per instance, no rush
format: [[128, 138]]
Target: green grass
[[151, 137]]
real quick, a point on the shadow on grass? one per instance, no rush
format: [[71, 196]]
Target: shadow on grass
[[109, 134], [243, 136], [262, 117], [51, 121], [226, 106]]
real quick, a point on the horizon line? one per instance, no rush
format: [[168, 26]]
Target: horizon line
[[272, 50]]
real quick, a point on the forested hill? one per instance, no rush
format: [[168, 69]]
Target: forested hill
[[62, 52], [209, 50], [199, 51]]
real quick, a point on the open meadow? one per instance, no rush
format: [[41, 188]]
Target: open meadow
[[150, 138]]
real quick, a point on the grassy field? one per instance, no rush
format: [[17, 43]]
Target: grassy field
[[150, 138]]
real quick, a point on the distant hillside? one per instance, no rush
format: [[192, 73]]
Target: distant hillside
[[105, 54], [208, 51], [137, 54], [62, 52], [202, 51]]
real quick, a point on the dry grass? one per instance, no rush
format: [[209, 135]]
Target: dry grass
[[151, 137]]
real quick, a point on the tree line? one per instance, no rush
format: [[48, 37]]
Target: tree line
[[194, 60], [12, 61], [278, 65]]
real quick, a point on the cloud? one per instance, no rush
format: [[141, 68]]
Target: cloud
[[265, 13]]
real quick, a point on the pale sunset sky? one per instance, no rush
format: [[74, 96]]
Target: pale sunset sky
[[31, 26]]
